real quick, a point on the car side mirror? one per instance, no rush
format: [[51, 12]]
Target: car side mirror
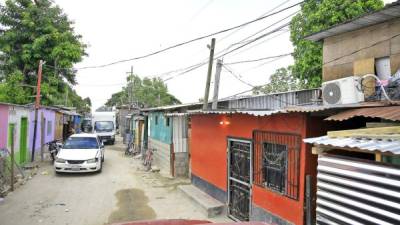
[[102, 144]]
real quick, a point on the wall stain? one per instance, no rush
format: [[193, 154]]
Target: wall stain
[[132, 205]]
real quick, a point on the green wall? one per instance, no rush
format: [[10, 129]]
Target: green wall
[[160, 131]]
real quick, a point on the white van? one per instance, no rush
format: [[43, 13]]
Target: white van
[[104, 125]]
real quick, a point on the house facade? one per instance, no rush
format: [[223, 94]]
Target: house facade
[[359, 169], [45, 132], [250, 156]]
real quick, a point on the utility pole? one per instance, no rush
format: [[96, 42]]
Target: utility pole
[[37, 105], [216, 84], [130, 87], [210, 64]]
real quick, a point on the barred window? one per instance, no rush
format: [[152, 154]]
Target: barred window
[[276, 162], [274, 166]]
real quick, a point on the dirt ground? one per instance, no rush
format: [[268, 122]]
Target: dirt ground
[[121, 192]]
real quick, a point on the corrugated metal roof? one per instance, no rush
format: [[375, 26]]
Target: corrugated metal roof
[[389, 12], [388, 113], [247, 112], [318, 108], [169, 107], [392, 146]]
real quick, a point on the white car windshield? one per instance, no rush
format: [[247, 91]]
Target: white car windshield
[[106, 126], [81, 143]]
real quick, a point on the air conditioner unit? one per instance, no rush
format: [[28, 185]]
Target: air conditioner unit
[[342, 91]]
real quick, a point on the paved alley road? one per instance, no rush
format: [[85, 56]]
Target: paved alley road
[[121, 192]]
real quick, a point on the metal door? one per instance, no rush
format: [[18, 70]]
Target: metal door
[[239, 178], [23, 140]]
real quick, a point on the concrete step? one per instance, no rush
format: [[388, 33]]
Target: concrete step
[[209, 205]]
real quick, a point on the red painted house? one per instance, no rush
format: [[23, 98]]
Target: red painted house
[[256, 162]]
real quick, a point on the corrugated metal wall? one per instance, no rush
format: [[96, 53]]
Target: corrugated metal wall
[[275, 101], [357, 192], [179, 133]]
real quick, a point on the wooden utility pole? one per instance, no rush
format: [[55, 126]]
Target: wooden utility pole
[[37, 105], [210, 64], [216, 84]]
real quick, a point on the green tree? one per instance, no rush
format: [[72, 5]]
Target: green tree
[[143, 92], [12, 91], [39, 30], [317, 15], [282, 80]]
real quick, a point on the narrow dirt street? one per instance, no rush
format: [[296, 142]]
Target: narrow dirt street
[[122, 192]]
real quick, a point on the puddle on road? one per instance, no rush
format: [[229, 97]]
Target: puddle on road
[[132, 205]]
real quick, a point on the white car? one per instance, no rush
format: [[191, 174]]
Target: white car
[[80, 153]]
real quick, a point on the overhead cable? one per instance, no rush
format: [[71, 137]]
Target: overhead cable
[[192, 40]]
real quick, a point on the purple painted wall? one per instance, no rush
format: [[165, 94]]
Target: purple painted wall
[[3, 125], [49, 115]]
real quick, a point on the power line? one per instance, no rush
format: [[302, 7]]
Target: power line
[[259, 59], [192, 40], [196, 66], [237, 76], [269, 11]]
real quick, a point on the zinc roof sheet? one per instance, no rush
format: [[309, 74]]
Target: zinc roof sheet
[[366, 144], [390, 11], [389, 113], [247, 112]]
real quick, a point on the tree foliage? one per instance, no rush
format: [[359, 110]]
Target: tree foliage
[[282, 80], [39, 30], [317, 15], [143, 93]]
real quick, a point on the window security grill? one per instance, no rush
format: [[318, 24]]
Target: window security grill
[[276, 161]]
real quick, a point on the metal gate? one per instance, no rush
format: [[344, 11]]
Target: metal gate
[[239, 178]]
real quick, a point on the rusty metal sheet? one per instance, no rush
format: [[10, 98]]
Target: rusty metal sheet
[[389, 113]]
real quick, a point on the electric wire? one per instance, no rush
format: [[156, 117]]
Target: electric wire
[[238, 77], [259, 59], [269, 11], [190, 41]]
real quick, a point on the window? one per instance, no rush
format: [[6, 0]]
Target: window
[[49, 128], [276, 162], [156, 120], [274, 166], [167, 121], [81, 143]]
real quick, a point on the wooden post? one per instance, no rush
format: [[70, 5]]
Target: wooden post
[[37, 105], [12, 157], [309, 219], [216, 84], [378, 157], [210, 64]]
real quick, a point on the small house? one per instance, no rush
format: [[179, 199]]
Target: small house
[[358, 169], [251, 157], [166, 130], [46, 124]]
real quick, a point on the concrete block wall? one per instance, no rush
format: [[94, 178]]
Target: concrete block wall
[[181, 164], [162, 155]]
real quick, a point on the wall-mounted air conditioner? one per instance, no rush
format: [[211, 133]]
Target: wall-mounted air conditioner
[[342, 91]]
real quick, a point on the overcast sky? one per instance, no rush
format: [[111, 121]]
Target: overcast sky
[[122, 29]]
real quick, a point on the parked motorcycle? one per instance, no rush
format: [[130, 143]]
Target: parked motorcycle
[[54, 147]]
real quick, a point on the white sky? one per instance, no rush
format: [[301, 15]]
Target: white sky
[[121, 29]]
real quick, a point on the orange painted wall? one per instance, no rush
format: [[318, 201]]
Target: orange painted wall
[[209, 157]]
